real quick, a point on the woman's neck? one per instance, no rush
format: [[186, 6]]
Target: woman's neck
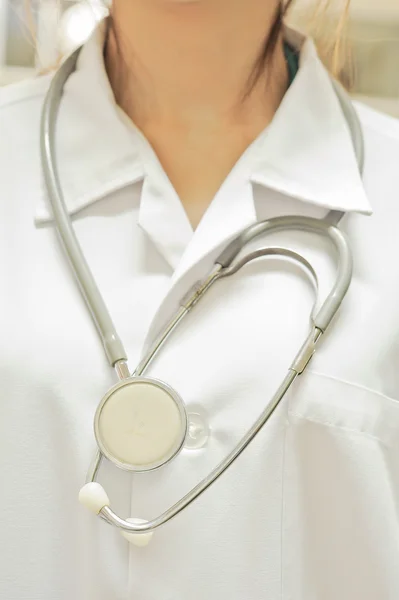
[[190, 61], [181, 69]]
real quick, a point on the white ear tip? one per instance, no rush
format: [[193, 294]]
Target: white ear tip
[[137, 539], [93, 496]]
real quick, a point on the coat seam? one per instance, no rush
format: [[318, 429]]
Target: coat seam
[[364, 434], [352, 384], [283, 511]]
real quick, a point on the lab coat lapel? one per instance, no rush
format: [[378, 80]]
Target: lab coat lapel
[[231, 211], [162, 215]]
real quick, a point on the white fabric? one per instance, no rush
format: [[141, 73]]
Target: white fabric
[[310, 511]]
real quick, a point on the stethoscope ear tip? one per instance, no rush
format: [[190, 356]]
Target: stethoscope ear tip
[[137, 539], [94, 497]]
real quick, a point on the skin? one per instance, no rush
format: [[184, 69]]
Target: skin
[[180, 69]]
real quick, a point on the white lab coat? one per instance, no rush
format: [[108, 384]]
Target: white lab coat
[[310, 511]]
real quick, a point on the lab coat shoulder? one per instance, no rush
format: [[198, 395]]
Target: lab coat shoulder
[[20, 110], [374, 120], [20, 107], [381, 173], [22, 92], [374, 242], [381, 136]]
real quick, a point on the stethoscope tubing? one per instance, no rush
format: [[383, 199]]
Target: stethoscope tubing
[[227, 264]]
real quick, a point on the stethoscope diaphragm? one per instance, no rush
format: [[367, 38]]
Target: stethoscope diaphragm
[[140, 424]]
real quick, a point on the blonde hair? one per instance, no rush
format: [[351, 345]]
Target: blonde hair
[[327, 23]]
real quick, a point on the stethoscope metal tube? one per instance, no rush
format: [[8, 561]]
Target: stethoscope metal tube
[[334, 299], [113, 346], [227, 264]]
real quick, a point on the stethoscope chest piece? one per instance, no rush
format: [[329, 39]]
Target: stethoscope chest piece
[[140, 424]]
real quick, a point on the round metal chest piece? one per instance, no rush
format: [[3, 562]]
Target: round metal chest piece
[[140, 424]]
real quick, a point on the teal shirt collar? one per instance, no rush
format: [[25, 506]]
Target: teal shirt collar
[[292, 59]]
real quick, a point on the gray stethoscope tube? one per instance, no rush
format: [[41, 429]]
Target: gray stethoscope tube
[[131, 389]]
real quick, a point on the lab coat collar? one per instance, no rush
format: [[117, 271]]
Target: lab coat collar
[[305, 153], [97, 153]]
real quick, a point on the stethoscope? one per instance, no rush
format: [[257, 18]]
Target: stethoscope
[[141, 423]]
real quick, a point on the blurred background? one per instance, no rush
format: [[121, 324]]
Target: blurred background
[[34, 34]]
